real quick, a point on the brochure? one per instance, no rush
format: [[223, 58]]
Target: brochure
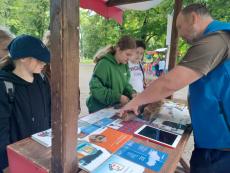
[[117, 164], [143, 155], [90, 156], [170, 126], [44, 137], [128, 127], [175, 112], [172, 117], [109, 139], [97, 116], [104, 122], [89, 129]]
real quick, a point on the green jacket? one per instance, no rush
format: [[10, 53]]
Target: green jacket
[[110, 80]]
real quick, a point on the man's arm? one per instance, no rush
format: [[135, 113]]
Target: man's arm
[[163, 87]]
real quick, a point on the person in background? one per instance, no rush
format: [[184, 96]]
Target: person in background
[[162, 65], [25, 104], [5, 38], [109, 84], [206, 69], [137, 79]]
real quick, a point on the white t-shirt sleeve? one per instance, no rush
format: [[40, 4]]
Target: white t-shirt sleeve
[[136, 77]]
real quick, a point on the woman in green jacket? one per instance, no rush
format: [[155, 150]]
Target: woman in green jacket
[[109, 84]]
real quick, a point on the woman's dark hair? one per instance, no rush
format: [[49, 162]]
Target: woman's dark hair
[[140, 43], [124, 43]]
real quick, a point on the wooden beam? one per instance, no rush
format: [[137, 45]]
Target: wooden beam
[[184, 165], [122, 2], [64, 84], [174, 38], [174, 35]]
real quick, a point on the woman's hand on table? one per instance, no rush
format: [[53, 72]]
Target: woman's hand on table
[[124, 100], [134, 95]]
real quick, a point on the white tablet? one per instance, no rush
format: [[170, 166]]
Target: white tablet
[[158, 136]]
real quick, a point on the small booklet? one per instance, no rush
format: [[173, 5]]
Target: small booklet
[[44, 137], [87, 129], [171, 126], [128, 127], [109, 139], [104, 122], [175, 112], [172, 117], [90, 156], [117, 164]]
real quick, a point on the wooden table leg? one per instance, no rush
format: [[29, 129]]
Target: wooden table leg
[[184, 165]]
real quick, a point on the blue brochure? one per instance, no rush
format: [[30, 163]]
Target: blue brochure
[[104, 122], [143, 155], [89, 129]]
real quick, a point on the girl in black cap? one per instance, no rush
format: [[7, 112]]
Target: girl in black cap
[[24, 92]]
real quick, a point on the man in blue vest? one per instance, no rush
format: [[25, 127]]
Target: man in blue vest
[[206, 69]]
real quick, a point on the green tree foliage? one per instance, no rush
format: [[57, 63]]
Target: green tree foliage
[[32, 17], [149, 26], [25, 16], [96, 32]]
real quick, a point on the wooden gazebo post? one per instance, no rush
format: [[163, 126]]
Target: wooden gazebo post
[[174, 35], [65, 83]]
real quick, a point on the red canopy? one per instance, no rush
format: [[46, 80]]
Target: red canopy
[[99, 6]]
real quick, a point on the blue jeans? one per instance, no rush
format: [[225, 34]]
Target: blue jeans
[[210, 161]]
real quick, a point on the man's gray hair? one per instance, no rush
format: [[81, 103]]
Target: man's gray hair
[[200, 9]]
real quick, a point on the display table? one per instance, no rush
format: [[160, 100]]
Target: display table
[[29, 156]]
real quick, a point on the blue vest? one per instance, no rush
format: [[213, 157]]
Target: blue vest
[[209, 102]]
